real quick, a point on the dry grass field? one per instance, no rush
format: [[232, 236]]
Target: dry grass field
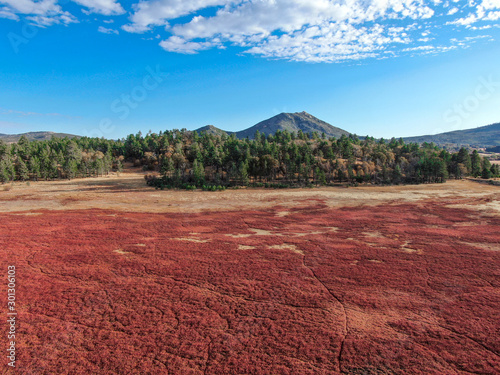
[[128, 192], [117, 278]]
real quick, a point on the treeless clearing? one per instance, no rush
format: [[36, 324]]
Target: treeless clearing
[[128, 192], [122, 279]]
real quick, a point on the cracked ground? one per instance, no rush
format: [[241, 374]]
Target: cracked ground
[[399, 288]]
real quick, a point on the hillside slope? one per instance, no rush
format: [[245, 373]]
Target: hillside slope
[[210, 129], [293, 122], [35, 136], [484, 136]]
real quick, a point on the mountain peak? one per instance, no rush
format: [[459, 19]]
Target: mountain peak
[[294, 114], [293, 122], [211, 129]]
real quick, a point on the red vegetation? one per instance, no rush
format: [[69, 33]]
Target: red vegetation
[[396, 289]]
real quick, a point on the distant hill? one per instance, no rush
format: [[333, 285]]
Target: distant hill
[[35, 136], [493, 149], [293, 122], [484, 136], [210, 129]]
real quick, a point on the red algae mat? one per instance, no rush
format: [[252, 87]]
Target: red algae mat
[[394, 289]]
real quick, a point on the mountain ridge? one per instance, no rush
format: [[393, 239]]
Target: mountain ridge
[[483, 136], [292, 122], [211, 129], [35, 136]]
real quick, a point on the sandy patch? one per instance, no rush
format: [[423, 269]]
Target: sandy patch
[[287, 246], [245, 247], [375, 234], [410, 250], [121, 252], [307, 233], [256, 232], [241, 235], [192, 239], [484, 246], [29, 213], [263, 232]]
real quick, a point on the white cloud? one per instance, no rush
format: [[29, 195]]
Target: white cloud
[[177, 44], [492, 16], [299, 30], [487, 10], [157, 12], [465, 21], [419, 48], [106, 7], [491, 4], [105, 30], [7, 13], [63, 18], [337, 43], [41, 13], [305, 30], [32, 7], [48, 12]]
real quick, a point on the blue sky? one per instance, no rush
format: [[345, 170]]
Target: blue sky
[[378, 67]]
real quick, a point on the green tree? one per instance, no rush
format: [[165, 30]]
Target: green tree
[[34, 167], [486, 173], [119, 166], [4, 173], [10, 168], [495, 170], [397, 175], [23, 148], [22, 170], [198, 173], [463, 158], [475, 164], [70, 168], [486, 168], [243, 173], [441, 171]]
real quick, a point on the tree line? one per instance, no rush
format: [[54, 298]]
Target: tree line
[[187, 159], [58, 158]]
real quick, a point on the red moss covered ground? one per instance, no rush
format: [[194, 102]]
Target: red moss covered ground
[[396, 289]]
